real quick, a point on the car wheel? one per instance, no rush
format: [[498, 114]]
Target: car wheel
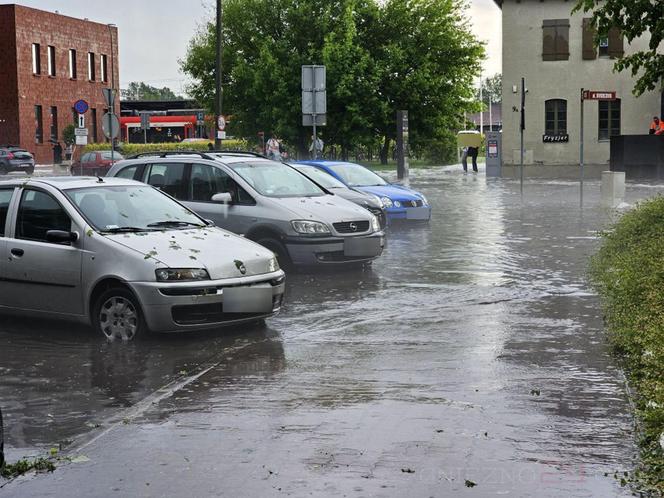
[[3, 170], [279, 249], [117, 315]]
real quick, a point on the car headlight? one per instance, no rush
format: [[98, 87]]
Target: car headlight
[[181, 274], [387, 202], [310, 227], [273, 265], [397, 204], [375, 224]]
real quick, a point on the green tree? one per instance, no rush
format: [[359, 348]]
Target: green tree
[[634, 18], [380, 57], [492, 90], [142, 91]]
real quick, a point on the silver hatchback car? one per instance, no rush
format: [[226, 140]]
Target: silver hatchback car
[[266, 201], [127, 258]]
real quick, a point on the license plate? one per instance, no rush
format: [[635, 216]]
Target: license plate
[[26, 165], [362, 247], [257, 299], [417, 214]]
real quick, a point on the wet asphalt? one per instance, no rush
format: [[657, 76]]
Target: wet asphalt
[[470, 360]]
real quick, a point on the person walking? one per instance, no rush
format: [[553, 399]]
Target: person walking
[[272, 148], [57, 153], [655, 125], [316, 147], [473, 152]]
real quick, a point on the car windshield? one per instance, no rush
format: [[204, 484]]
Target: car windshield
[[273, 179], [131, 208], [355, 175], [106, 155], [319, 176]]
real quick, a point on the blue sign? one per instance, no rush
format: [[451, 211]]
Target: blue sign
[[81, 106]]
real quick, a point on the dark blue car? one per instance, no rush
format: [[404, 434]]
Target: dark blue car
[[400, 203]]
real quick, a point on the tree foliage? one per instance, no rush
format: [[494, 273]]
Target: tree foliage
[[635, 18], [381, 57], [492, 90], [142, 91]]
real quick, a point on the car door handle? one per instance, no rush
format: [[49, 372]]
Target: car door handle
[[18, 252]]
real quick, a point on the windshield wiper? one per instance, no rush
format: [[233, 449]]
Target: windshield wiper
[[175, 223], [126, 229]]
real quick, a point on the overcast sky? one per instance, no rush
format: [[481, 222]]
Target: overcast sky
[[154, 33]]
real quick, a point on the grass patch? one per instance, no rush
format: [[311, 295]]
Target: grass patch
[[628, 272], [11, 470]]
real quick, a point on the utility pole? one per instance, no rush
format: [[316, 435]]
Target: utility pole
[[482, 103], [112, 100], [219, 92]]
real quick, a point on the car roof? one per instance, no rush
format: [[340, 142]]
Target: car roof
[[69, 182]]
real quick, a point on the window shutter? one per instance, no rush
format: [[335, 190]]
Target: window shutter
[[549, 43], [616, 43], [589, 49]]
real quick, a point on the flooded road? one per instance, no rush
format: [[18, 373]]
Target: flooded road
[[469, 360]]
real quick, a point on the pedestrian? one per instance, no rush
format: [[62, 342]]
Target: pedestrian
[[272, 147], [316, 147], [655, 125], [69, 152], [473, 152], [57, 153]]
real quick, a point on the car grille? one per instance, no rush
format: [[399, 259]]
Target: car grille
[[201, 314], [352, 227]]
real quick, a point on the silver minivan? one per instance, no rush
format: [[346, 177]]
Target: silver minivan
[[126, 258], [265, 201]]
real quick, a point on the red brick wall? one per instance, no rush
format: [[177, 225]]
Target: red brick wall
[[63, 33], [8, 77]]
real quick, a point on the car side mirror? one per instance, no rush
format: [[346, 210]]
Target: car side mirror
[[60, 236], [223, 198]]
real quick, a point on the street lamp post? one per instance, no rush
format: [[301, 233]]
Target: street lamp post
[[218, 88], [112, 102]]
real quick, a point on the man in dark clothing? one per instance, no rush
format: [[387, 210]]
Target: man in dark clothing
[[57, 153], [473, 152]]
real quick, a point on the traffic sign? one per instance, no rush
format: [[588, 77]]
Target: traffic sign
[[314, 95], [81, 140], [81, 106], [598, 95], [81, 121], [109, 96], [145, 121], [221, 123], [110, 125], [80, 132]]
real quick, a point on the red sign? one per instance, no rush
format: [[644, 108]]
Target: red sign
[[597, 95]]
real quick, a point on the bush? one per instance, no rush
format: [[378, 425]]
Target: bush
[[628, 272], [128, 149]]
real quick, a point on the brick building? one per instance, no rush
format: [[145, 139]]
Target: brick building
[[47, 62]]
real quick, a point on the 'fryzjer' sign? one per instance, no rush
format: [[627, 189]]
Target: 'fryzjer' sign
[[596, 95]]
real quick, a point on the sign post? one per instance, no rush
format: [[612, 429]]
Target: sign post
[[109, 97], [522, 126], [589, 95], [145, 125], [314, 100]]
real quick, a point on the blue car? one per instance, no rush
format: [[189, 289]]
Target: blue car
[[400, 203]]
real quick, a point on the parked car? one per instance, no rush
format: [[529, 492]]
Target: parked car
[[13, 158], [401, 203], [95, 163], [368, 201], [126, 258], [267, 202]]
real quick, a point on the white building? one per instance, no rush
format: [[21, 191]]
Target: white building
[[554, 51]]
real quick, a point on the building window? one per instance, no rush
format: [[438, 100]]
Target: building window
[[54, 124], [93, 116], [50, 53], [73, 72], [555, 40], [609, 119], [104, 68], [39, 125], [556, 117], [91, 66], [36, 58]]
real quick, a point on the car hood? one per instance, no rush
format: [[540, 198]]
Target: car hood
[[328, 209], [394, 192], [361, 198], [223, 254]]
